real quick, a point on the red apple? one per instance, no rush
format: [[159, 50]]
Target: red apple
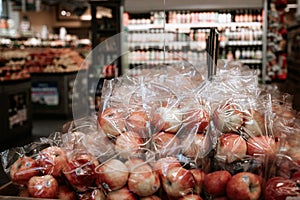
[[52, 160], [138, 121], [231, 147], [94, 194], [191, 197], [228, 117], [166, 143], [23, 169], [244, 186], [279, 188], [254, 124], [163, 164], [66, 193], [199, 177], [143, 180], [215, 183], [128, 143], [296, 176], [112, 121], [196, 118], [261, 145], [178, 182], [43, 187], [196, 146], [80, 171], [168, 119], [152, 197], [113, 174], [121, 194]]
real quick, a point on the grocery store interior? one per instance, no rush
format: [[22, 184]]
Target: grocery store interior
[[55, 55]]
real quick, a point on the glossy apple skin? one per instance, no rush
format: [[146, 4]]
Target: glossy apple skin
[[143, 180], [178, 182], [167, 119], [23, 169], [121, 194], [196, 118], [244, 186], [52, 160], [279, 188], [191, 197], [199, 177], [197, 146], [43, 187], [231, 147], [128, 143], [215, 183], [166, 143], [80, 172], [113, 174], [112, 121], [138, 121], [163, 164], [261, 145], [254, 124]]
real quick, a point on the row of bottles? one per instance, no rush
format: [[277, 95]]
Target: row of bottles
[[254, 33], [190, 17], [250, 53]]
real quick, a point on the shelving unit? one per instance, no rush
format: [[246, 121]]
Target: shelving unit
[[185, 32], [106, 62]]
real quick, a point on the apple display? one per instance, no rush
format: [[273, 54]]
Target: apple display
[[66, 193], [279, 188], [113, 174], [43, 187], [231, 147], [112, 121], [23, 169], [128, 143], [121, 194], [52, 160], [143, 180], [263, 145], [166, 143], [196, 118], [244, 185], [94, 194], [254, 124], [168, 119], [215, 183], [138, 121], [178, 182], [80, 171], [228, 117], [196, 145], [199, 177]]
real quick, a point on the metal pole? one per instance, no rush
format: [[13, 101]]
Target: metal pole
[[264, 41]]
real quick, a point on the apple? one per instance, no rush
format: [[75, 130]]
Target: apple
[[231, 147], [94, 194], [196, 145], [197, 117], [296, 176], [166, 143], [80, 171], [215, 183], [24, 192], [66, 193], [228, 117], [43, 187], [128, 143], [263, 145], [143, 180], [244, 185], [112, 121], [168, 119], [23, 169], [199, 177], [279, 188], [113, 174], [52, 160], [191, 197], [138, 121], [254, 124], [163, 164], [152, 197], [121, 194], [178, 182]]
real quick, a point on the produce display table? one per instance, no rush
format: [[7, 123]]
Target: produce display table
[[15, 109]]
